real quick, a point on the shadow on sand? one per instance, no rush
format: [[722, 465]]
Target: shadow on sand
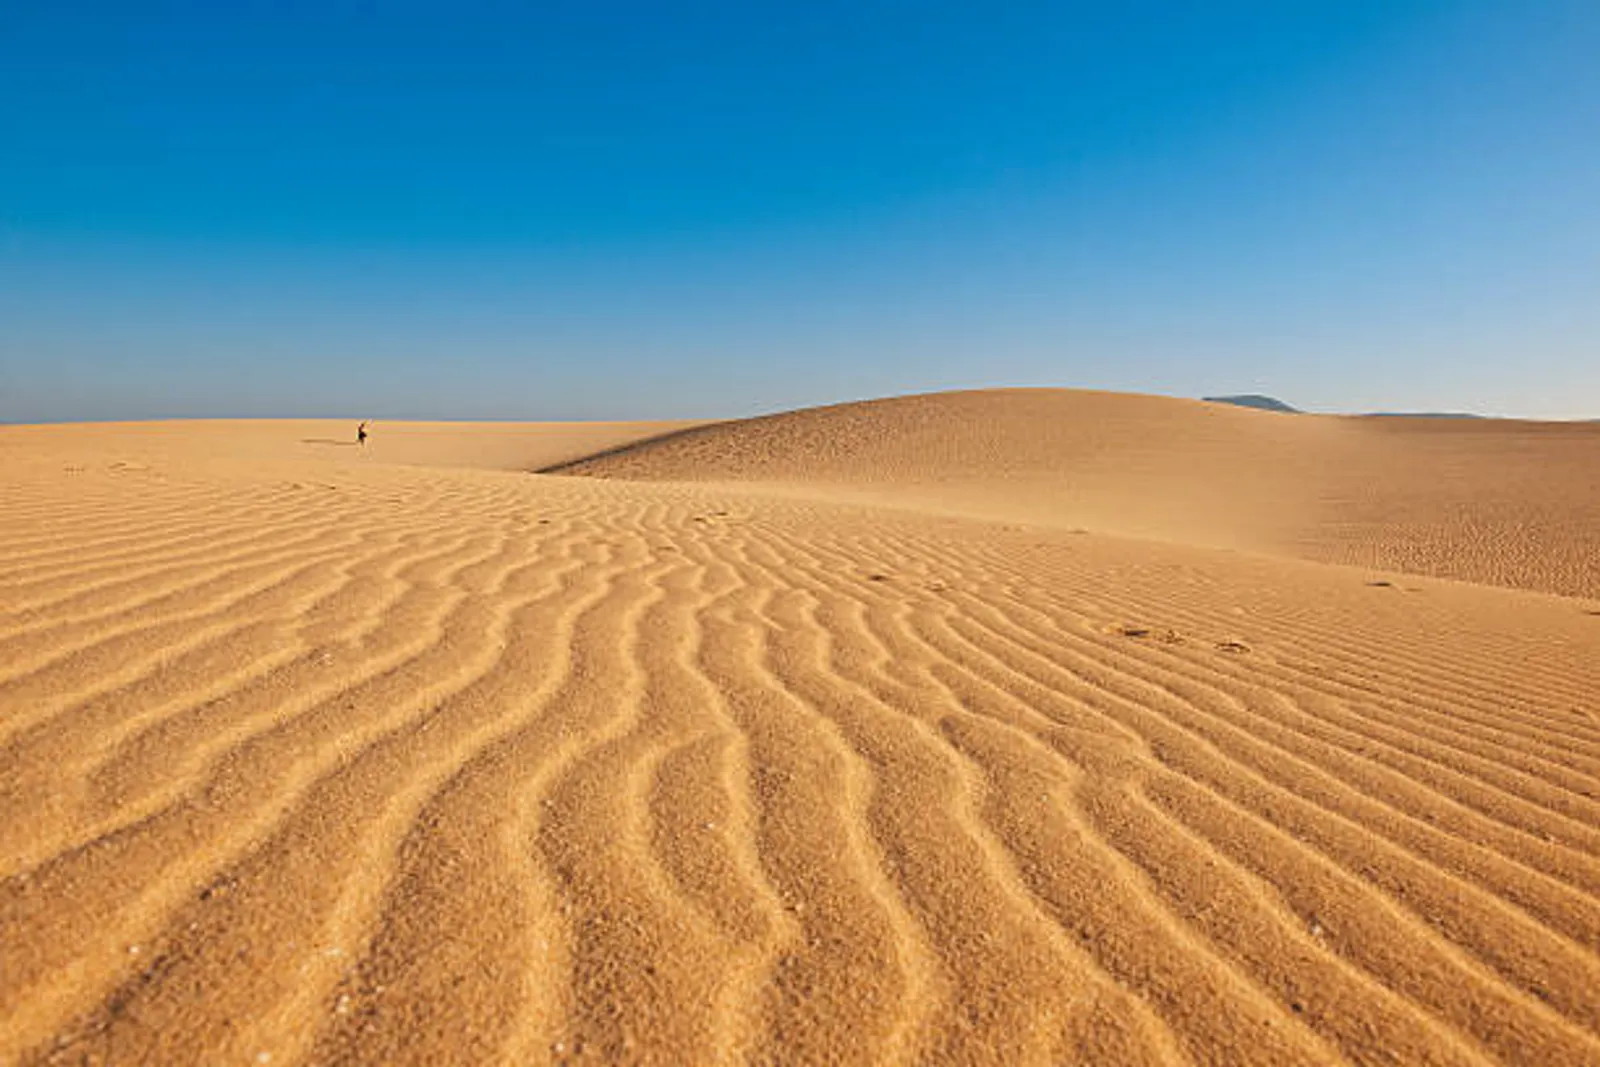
[[326, 441]]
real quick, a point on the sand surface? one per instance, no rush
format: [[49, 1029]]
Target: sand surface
[[1019, 727]]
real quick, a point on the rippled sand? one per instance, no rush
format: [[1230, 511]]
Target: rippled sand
[[1020, 727]]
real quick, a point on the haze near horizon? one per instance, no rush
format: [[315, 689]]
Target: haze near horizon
[[565, 213]]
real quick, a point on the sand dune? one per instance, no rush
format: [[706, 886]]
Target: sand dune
[[509, 446], [776, 755], [1511, 503]]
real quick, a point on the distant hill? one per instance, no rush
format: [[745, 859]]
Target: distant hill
[[1255, 400], [1272, 403]]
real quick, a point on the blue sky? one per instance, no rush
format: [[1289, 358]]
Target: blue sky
[[711, 209]]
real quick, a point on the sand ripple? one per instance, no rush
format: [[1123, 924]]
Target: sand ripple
[[438, 766]]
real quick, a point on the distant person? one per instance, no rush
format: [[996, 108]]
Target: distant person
[[361, 434]]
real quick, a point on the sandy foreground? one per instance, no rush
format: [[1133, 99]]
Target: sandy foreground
[[1008, 727]]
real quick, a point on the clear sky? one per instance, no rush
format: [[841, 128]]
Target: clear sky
[[627, 209]]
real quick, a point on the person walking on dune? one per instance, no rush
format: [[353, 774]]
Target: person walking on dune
[[361, 434]]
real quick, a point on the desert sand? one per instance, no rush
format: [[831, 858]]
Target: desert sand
[[1007, 727]]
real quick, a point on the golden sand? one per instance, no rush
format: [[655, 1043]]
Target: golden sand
[[1012, 727]]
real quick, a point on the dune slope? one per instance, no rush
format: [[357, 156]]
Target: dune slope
[[333, 761], [1505, 502]]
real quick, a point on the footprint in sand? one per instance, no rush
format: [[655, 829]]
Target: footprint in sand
[[1234, 648], [1165, 636]]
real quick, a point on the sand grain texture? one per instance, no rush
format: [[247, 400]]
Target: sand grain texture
[[1020, 727]]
